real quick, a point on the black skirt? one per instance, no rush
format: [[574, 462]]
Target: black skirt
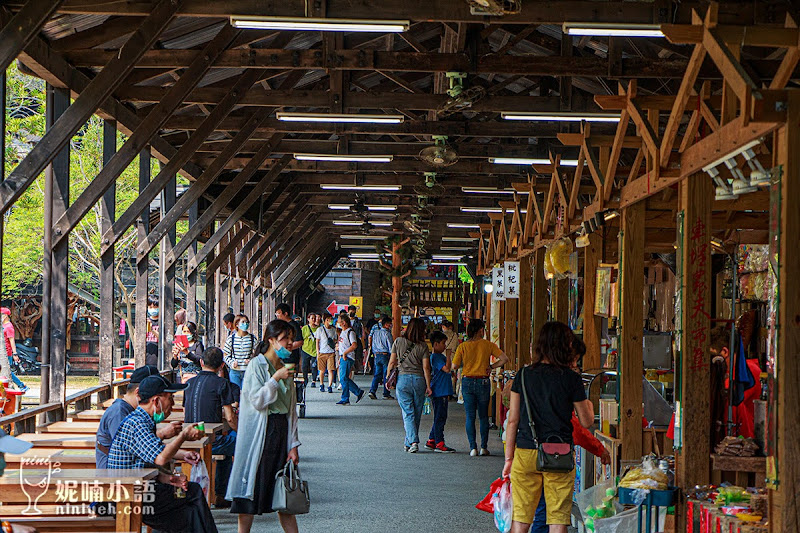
[[273, 459]]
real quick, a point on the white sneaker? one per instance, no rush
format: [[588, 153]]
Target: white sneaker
[[338, 386], [473, 452], [414, 448], [484, 452]]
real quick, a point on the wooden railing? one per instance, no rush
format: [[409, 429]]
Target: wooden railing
[[27, 420]]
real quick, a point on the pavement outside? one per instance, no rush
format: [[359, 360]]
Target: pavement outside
[[361, 480]]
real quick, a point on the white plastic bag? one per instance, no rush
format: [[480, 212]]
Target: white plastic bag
[[503, 508], [199, 475]]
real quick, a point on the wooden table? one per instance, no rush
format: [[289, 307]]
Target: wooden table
[[70, 458], [71, 427], [129, 516], [60, 440]]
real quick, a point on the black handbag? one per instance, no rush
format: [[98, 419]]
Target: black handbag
[[551, 456]]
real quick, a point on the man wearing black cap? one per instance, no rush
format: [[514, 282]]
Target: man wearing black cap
[[136, 445], [117, 412]]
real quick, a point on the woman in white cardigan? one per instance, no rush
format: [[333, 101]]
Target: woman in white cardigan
[[267, 435]]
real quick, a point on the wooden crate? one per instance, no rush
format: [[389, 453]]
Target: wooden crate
[[603, 472]]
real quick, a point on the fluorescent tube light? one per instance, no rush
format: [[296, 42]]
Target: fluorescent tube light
[[368, 237], [456, 248], [358, 223], [319, 24], [364, 260], [528, 161], [601, 29], [444, 263], [363, 255], [339, 118], [488, 210], [561, 117], [346, 207], [345, 158], [462, 226], [336, 187], [458, 239], [358, 246], [443, 257]]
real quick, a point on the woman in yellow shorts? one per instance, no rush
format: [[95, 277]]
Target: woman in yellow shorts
[[554, 391]]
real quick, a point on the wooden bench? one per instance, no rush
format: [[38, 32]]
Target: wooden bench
[[53, 519], [72, 458], [127, 482]]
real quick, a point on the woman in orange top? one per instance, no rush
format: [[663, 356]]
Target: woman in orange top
[[474, 358]]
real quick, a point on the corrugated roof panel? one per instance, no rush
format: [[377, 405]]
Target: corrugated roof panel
[[64, 25]]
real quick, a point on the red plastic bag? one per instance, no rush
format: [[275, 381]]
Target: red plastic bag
[[486, 503]]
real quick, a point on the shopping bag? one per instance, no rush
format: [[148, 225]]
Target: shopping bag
[[426, 407], [199, 475], [486, 504], [503, 508]]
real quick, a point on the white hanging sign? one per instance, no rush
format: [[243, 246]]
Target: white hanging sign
[[512, 279], [499, 282]]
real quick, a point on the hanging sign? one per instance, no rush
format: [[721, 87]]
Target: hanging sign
[[512, 279], [499, 282]]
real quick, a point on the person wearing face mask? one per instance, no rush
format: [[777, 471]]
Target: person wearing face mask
[[284, 312], [361, 337], [152, 335], [189, 359], [267, 431], [136, 445], [239, 349]]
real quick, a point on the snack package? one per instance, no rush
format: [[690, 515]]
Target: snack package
[[647, 476]]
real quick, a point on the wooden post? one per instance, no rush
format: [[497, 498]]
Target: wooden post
[[191, 281], [142, 267], [561, 300], [56, 264], [631, 322], [591, 322], [784, 514], [539, 293], [167, 279], [108, 333], [397, 286], [695, 196], [524, 309], [211, 304]]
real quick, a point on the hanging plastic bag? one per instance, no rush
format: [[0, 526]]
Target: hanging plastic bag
[[503, 508], [486, 504], [199, 475], [426, 407]]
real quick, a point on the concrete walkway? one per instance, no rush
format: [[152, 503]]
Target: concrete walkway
[[361, 480]]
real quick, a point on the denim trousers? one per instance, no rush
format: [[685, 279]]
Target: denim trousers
[[440, 405], [411, 397], [540, 519], [223, 445], [236, 376], [381, 361], [348, 385], [476, 398]]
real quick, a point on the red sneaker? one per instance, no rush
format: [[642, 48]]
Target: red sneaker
[[441, 448], [430, 445]]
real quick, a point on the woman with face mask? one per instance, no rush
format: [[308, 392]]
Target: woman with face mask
[[267, 436], [189, 359], [239, 349], [152, 335]]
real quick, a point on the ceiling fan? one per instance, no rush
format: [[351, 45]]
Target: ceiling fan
[[440, 154]]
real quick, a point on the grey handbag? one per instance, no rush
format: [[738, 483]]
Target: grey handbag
[[290, 495]]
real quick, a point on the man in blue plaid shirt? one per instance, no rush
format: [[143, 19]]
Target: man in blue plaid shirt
[[136, 445]]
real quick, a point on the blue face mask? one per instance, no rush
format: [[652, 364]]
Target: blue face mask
[[243, 326], [282, 353], [152, 313]]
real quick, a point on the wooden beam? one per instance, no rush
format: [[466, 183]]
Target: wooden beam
[[631, 321], [142, 267], [87, 103], [199, 187], [681, 100], [226, 250], [178, 159], [616, 151], [295, 216], [696, 194], [732, 70], [141, 136], [277, 240], [525, 313], [539, 293], [109, 335], [235, 215], [789, 62], [293, 260], [592, 333], [20, 29]]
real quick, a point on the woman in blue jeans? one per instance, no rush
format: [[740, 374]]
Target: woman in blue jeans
[[412, 358], [474, 357]]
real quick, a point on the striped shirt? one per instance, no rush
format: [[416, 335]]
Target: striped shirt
[[238, 349]]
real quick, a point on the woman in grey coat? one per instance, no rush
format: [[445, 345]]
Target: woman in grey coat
[[267, 436]]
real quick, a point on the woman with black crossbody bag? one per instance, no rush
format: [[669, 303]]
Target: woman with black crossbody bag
[[539, 446]]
